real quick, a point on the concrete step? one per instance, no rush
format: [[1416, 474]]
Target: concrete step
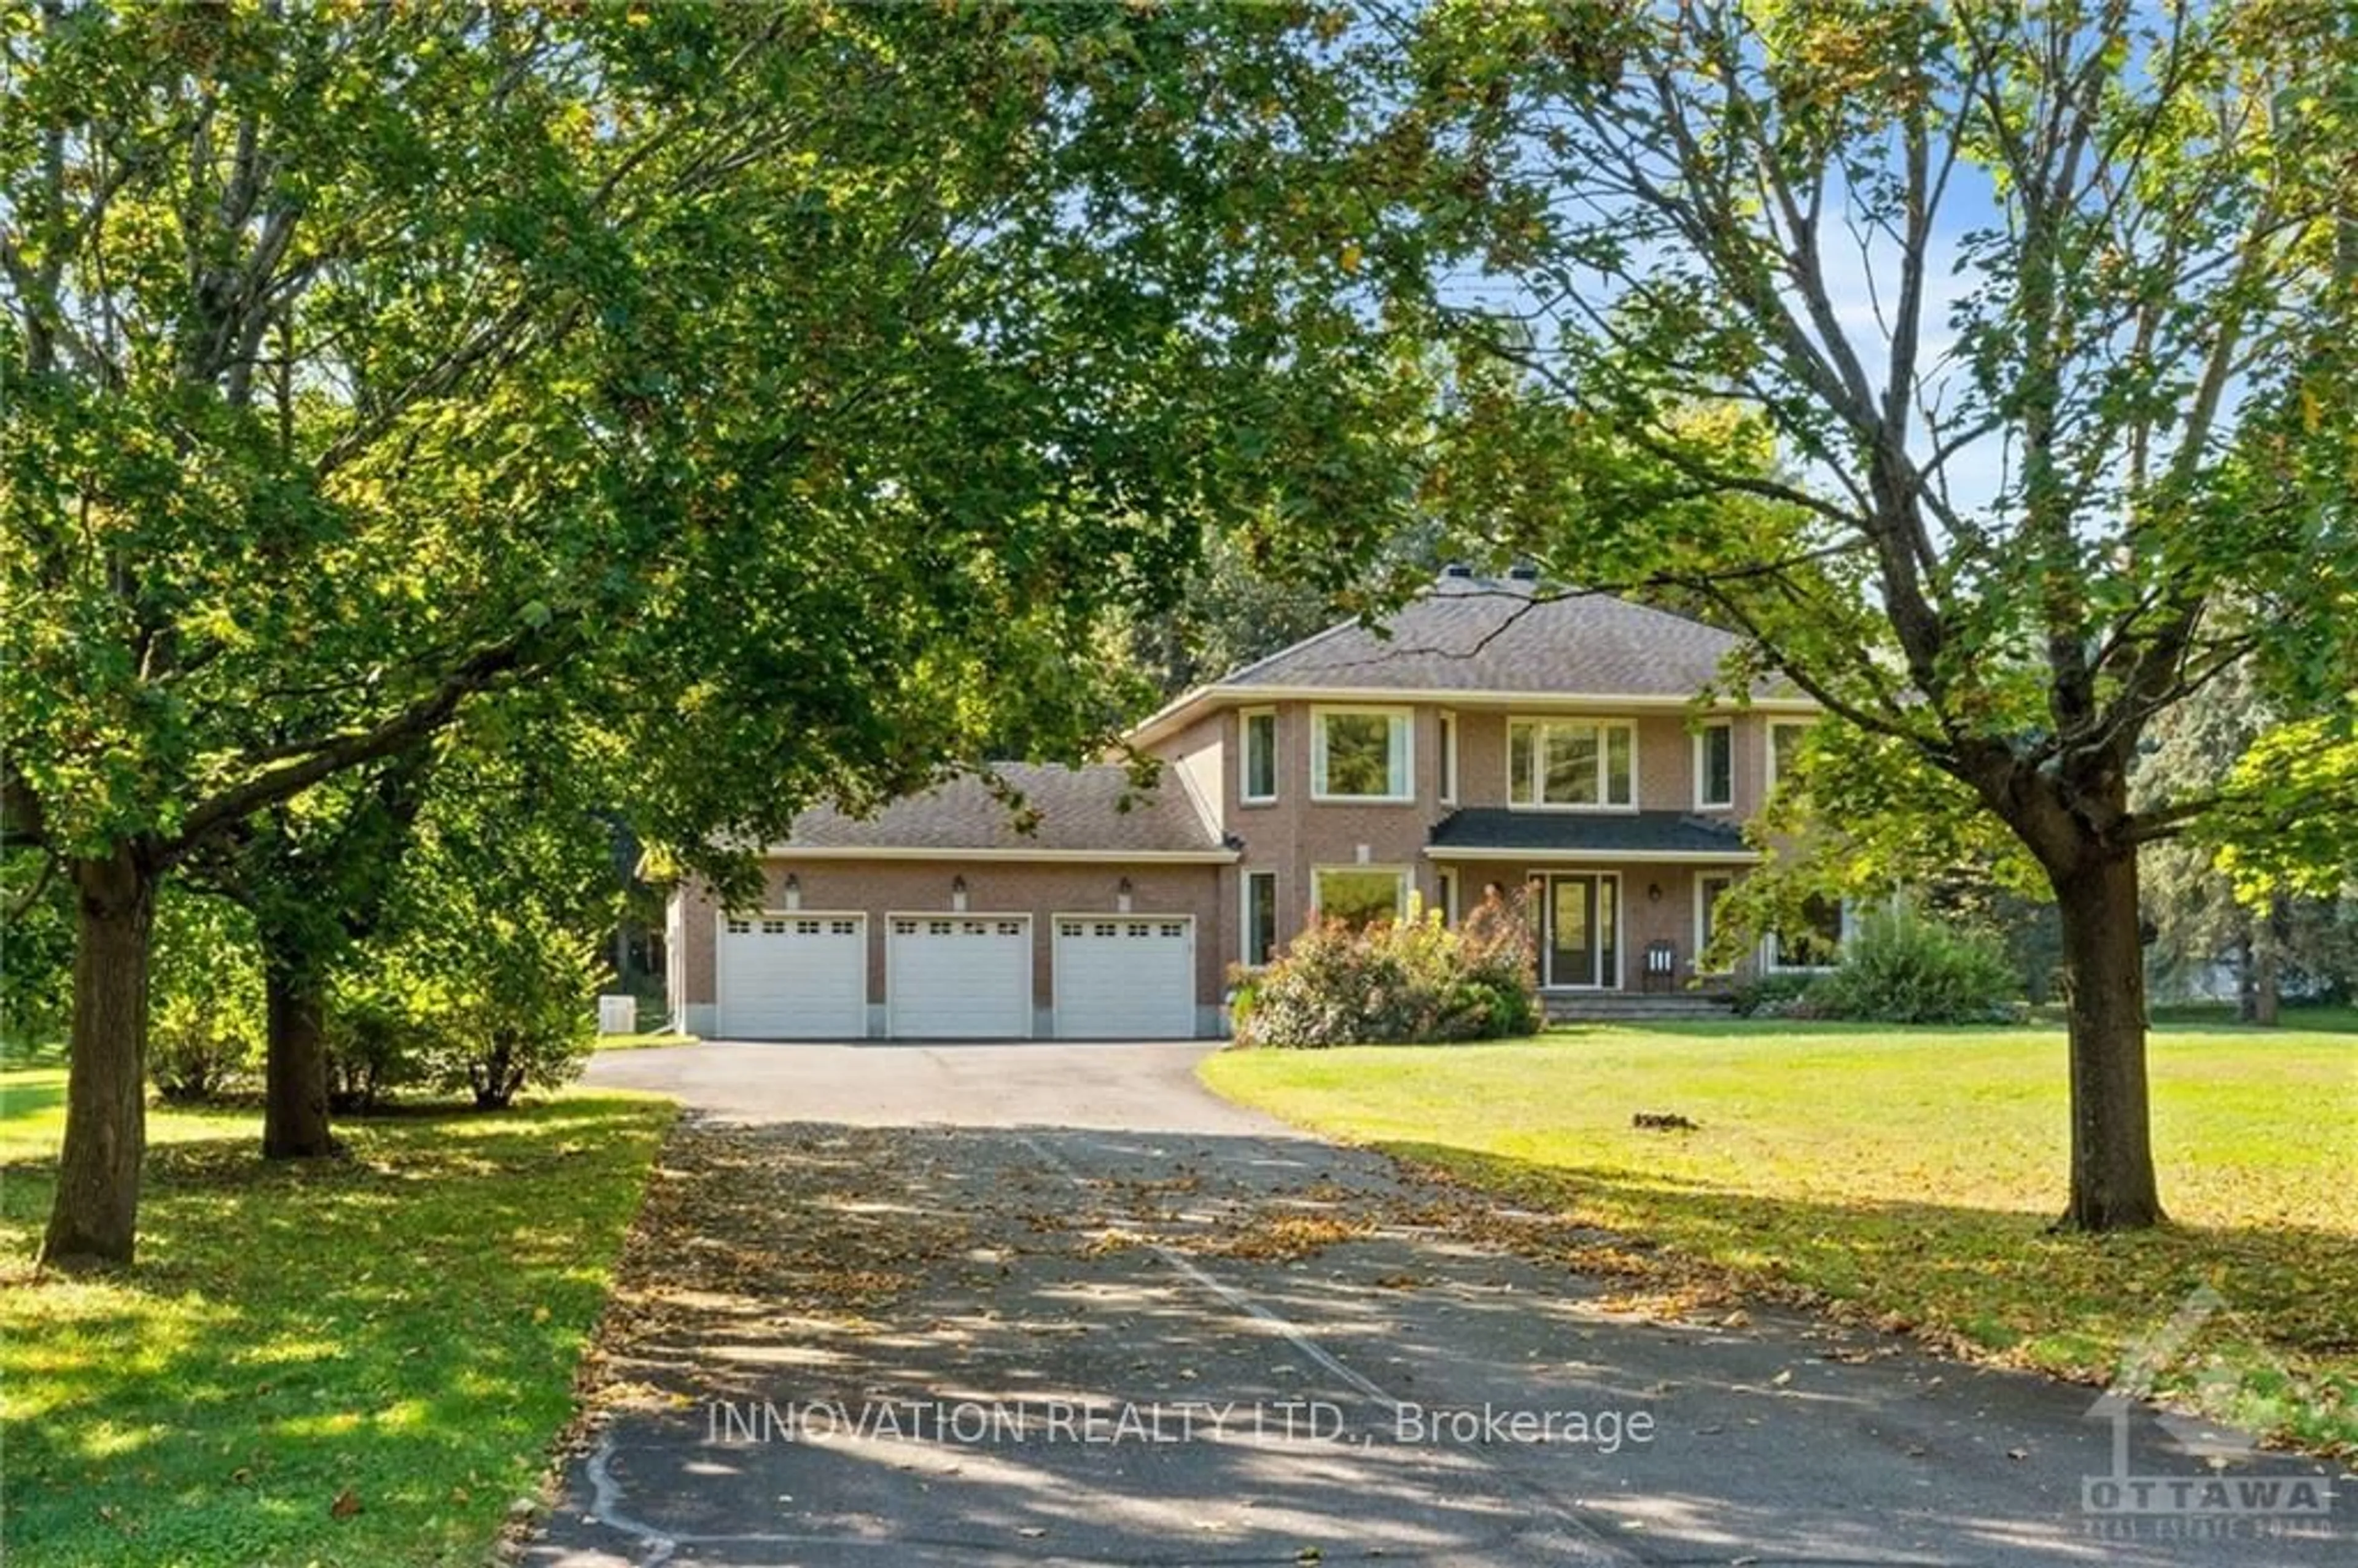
[[1625, 1008]]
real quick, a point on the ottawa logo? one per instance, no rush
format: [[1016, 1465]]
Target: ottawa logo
[[2224, 1500]]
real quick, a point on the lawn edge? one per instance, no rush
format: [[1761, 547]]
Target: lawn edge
[[1635, 1261]]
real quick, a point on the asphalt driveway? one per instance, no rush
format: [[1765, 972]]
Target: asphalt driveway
[[899, 1303]]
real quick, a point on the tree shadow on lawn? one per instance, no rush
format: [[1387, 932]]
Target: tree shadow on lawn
[[397, 1329], [1986, 1284]]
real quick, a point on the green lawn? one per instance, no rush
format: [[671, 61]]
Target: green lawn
[[360, 1363], [1907, 1176], [652, 1039]]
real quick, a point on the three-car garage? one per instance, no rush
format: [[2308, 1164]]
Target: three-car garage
[[1093, 912], [792, 975]]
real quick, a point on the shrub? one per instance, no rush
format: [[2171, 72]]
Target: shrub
[[1770, 996], [524, 1016], [1411, 979], [505, 1006], [205, 1019], [1902, 967], [380, 1030]]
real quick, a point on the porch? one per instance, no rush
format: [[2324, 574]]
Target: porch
[[1622, 903]]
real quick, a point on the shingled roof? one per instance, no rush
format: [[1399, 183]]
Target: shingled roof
[[1486, 830], [1096, 809], [1492, 635]]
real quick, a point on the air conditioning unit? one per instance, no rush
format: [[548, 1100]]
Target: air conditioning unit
[[618, 1015]]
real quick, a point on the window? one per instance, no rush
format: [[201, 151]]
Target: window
[[1709, 888], [1716, 767], [1572, 762], [1816, 943], [1361, 753], [1449, 758], [1260, 917], [1448, 896], [1785, 737], [1259, 783], [1360, 895]]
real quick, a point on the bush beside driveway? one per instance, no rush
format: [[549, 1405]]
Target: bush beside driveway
[[1907, 1178]]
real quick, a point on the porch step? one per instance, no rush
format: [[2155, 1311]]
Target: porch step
[[1631, 1007]]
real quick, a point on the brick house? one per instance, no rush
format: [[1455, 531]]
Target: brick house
[[1493, 736]]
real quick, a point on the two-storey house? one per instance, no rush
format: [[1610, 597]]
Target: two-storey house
[[1492, 736]]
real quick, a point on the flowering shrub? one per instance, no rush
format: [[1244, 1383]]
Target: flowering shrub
[[1410, 979]]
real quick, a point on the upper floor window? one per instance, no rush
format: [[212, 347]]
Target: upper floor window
[[1785, 738], [1258, 763], [1572, 762], [1449, 758], [1361, 753], [1716, 767]]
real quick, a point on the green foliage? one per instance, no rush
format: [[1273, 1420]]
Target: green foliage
[[379, 1033], [205, 1018], [1990, 369], [480, 976], [1411, 979], [36, 937], [525, 1015], [793, 388], [1901, 966], [2268, 836]]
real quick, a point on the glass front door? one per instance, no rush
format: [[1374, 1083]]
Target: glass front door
[[1584, 935]]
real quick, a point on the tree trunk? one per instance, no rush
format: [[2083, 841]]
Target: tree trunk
[[295, 1107], [2248, 978], [93, 1220], [2112, 1184], [2267, 966]]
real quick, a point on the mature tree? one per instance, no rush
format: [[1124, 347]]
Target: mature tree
[[1981, 364], [315, 872], [800, 380]]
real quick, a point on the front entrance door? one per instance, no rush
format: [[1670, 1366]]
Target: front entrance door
[[1584, 931]]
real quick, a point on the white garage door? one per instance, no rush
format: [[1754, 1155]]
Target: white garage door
[[794, 977], [1124, 977], [953, 976]]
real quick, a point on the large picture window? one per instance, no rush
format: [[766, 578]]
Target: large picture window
[[1572, 762], [1361, 753]]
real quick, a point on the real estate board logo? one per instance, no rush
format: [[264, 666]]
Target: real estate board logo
[[2227, 1498]]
